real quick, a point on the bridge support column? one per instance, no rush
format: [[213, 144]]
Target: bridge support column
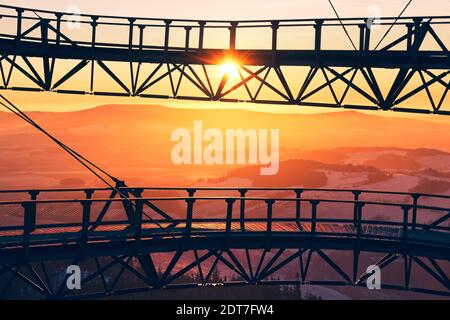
[[29, 225], [130, 36], [269, 203], [362, 29], [189, 214], [367, 38], [201, 34], [358, 225], [124, 194], [229, 219], [233, 35], [191, 192], [409, 35], [417, 22], [405, 222], [58, 27], [364, 36], [86, 204], [137, 220], [141, 36], [94, 36], [318, 35], [355, 207], [33, 194], [242, 192], [298, 193], [167, 34], [314, 205], [186, 43], [46, 59], [415, 198], [275, 26], [356, 254], [19, 24]]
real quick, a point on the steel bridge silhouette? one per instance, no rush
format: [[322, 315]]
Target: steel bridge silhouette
[[251, 236], [175, 58], [120, 232]]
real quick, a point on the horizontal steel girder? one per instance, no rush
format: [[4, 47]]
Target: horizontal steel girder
[[331, 58]]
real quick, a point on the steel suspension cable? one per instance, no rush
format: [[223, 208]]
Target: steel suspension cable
[[342, 24], [393, 23]]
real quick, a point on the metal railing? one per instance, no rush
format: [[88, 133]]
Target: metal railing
[[139, 29], [415, 219]]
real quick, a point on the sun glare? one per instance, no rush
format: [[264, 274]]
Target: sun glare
[[230, 68]]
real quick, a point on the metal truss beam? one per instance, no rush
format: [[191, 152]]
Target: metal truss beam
[[107, 280]]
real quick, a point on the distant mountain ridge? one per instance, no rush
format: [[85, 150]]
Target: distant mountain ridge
[[133, 141]]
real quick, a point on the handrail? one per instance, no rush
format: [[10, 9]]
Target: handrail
[[211, 20], [381, 192], [94, 200]]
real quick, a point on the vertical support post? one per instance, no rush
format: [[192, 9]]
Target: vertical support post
[[229, 219], [360, 206], [46, 62], [356, 194], [94, 25], [242, 192], [29, 225], [130, 36], [318, 35], [201, 34], [232, 29], [409, 35], [127, 205], [138, 192], [186, 43], [417, 22], [167, 34], [137, 220], [89, 193], [141, 36], [44, 31], [405, 222], [29, 216], [356, 253], [94, 36], [191, 192], [362, 30], [33, 194], [136, 216], [58, 27], [314, 205], [19, 24], [417, 39], [298, 193], [269, 203], [189, 213], [415, 198], [86, 204], [274, 26], [367, 38]]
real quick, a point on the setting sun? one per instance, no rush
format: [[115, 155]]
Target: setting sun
[[230, 68]]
